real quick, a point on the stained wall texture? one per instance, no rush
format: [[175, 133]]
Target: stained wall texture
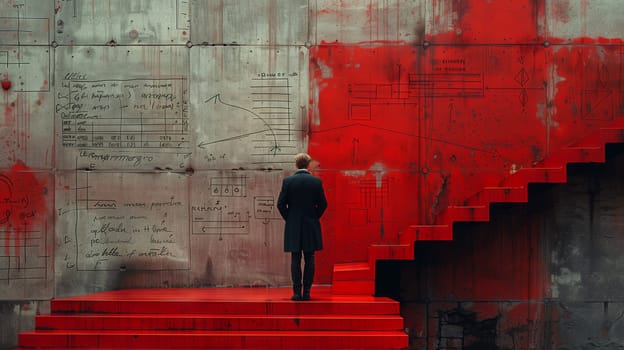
[[144, 142]]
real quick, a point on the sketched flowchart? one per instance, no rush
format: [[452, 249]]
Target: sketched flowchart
[[224, 215], [258, 134], [268, 123], [233, 204], [253, 116], [26, 63]]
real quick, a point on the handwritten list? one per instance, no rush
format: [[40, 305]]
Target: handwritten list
[[123, 114]]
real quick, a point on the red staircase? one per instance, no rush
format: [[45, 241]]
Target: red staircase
[[218, 318], [359, 278]]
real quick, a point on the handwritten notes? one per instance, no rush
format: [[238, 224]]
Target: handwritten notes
[[123, 114], [146, 228]]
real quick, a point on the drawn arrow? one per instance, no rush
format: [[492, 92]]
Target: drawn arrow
[[217, 99], [203, 144]]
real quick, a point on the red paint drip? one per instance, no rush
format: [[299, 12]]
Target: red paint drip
[[22, 206], [6, 84]]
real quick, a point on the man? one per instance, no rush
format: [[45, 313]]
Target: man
[[301, 203]]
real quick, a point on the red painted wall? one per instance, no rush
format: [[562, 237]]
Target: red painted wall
[[402, 130]]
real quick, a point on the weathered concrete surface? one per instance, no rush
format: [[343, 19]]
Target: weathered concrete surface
[[144, 143]]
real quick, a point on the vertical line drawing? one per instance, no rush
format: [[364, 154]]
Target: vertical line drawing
[[271, 96], [76, 212], [183, 8], [355, 148], [18, 39], [289, 112]]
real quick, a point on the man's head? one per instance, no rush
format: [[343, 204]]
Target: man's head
[[302, 160]]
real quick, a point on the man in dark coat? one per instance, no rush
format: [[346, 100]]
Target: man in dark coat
[[301, 203]]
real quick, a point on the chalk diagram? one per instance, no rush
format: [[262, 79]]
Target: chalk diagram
[[374, 195], [221, 222], [267, 123], [234, 186], [24, 53], [369, 109], [599, 103], [266, 128], [522, 78], [220, 219], [23, 253], [370, 105], [25, 68], [363, 97]]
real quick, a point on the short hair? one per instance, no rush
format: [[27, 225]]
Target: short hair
[[302, 160]]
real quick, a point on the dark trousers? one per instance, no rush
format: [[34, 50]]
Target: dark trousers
[[308, 271]]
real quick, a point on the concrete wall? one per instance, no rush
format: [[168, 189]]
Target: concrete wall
[[144, 142]]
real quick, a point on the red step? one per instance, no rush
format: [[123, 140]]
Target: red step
[[183, 322], [352, 271], [361, 287], [508, 194], [470, 213], [214, 340], [282, 307], [390, 252], [576, 154], [427, 233], [219, 318], [476, 208], [353, 278], [604, 135], [526, 176]]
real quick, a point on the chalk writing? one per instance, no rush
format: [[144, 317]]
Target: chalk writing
[[264, 208], [139, 230], [130, 114], [121, 239]]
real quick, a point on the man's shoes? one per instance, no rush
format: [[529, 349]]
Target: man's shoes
[[296, 297], [305, 296]]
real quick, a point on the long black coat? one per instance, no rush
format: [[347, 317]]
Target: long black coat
[[301, 203]]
